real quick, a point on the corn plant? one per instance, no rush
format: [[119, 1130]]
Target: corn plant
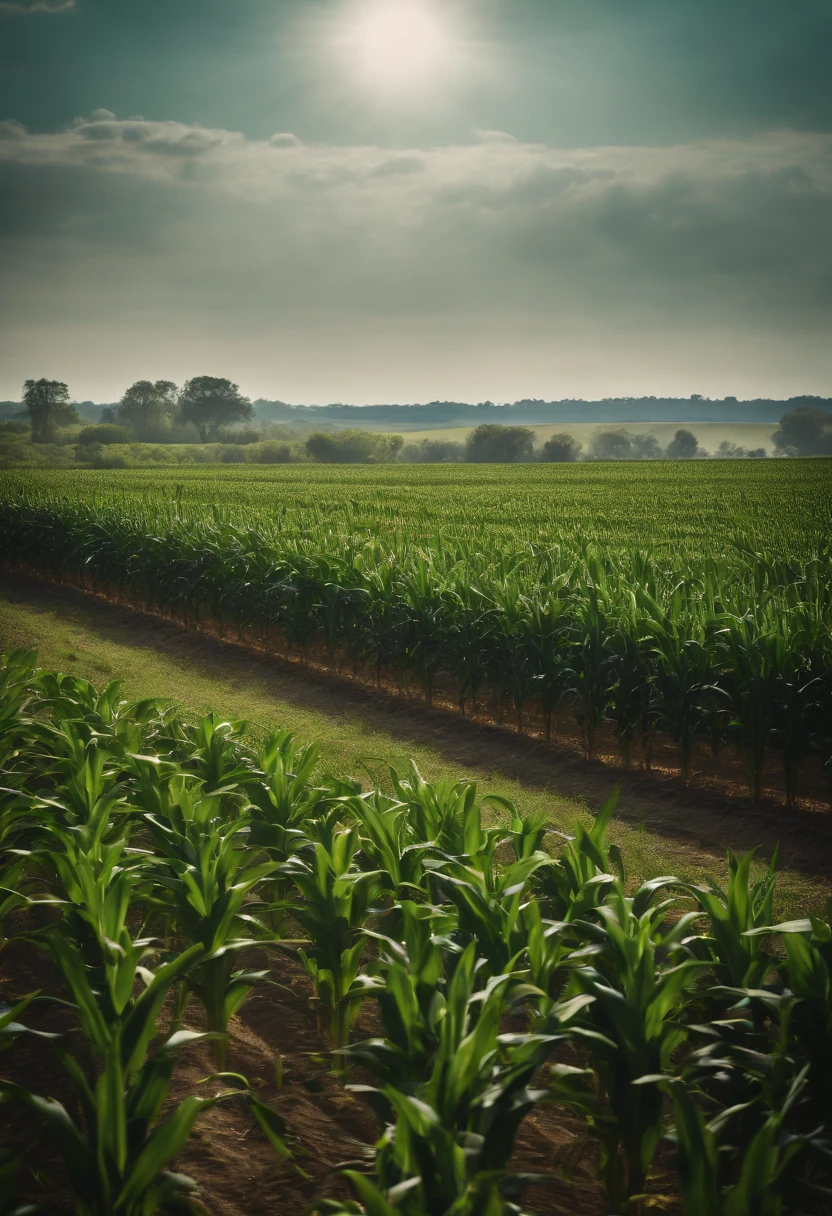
[[583, 872], [409, 982], [334, 904], [631, 1029], [764, 1181], [205, 880], [281, 794], [808, 976], [740, 958], [473, 1095]]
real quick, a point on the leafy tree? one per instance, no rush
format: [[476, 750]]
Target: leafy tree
[[49, 408], [495, 444], [646, 447], [148, 406], [210, 402], [353, 447], [561, 447], [611, 445], [683, 446], [805, 431]]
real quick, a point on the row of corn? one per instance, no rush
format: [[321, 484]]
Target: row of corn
[[150, 856], [712, 653]]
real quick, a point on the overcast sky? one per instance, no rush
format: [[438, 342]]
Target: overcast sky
[[401, 200]]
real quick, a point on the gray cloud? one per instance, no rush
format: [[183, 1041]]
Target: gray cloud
[[36, 6], [175, 228]]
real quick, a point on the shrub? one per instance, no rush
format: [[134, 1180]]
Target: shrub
[[94, 454], [237, 434], [269, 452], [353, 447], [104, 433], [232, 453]]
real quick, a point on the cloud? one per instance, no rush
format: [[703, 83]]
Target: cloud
[[36, 6], [168, 226]]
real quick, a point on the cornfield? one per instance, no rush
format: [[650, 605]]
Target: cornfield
[[148, 856], [688, 602]]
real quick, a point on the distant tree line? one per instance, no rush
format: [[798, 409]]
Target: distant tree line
[[213, 409], [492, 443]]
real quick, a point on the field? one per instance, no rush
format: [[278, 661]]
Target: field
[[687, 509], [416, 957]]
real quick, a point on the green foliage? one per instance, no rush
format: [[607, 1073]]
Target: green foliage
[[104, 433], [353, 447], [159, 850], [716, 650], [495, 444]]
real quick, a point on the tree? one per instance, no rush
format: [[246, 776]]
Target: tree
[[805, 431], [646, 447], [210, 402], [611, 445], [147, 406], [49, 408], [683, 446], [495, 444], [561, 447]]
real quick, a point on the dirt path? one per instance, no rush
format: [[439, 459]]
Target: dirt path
[[702, 820]]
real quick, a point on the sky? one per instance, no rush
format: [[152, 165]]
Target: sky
[[410, 200]]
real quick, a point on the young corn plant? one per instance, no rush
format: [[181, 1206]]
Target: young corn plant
[[389, 846], [116, 1154], [807, 973], [630, 1029], [334, 904], [207, 881], [760, 1180], [448, 1136], [576, 884], [738, 953], [437, 811], [409, 983]]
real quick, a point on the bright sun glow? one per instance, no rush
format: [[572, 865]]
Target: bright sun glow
[[401, 44]]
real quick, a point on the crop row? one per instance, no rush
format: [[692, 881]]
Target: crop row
[[726, 652], [149, 855]]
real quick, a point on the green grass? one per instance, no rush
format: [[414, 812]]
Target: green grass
[[354, 740]]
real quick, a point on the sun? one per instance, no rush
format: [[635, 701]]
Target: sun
[[398, 45]]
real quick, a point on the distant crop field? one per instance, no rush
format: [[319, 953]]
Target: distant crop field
[[693, 599], [686, 510]]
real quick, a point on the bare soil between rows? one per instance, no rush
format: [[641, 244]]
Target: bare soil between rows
[[711, 814]]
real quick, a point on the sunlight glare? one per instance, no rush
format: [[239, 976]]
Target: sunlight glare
[[401, 44]]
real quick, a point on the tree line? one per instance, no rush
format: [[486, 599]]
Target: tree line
[[153, 411]]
